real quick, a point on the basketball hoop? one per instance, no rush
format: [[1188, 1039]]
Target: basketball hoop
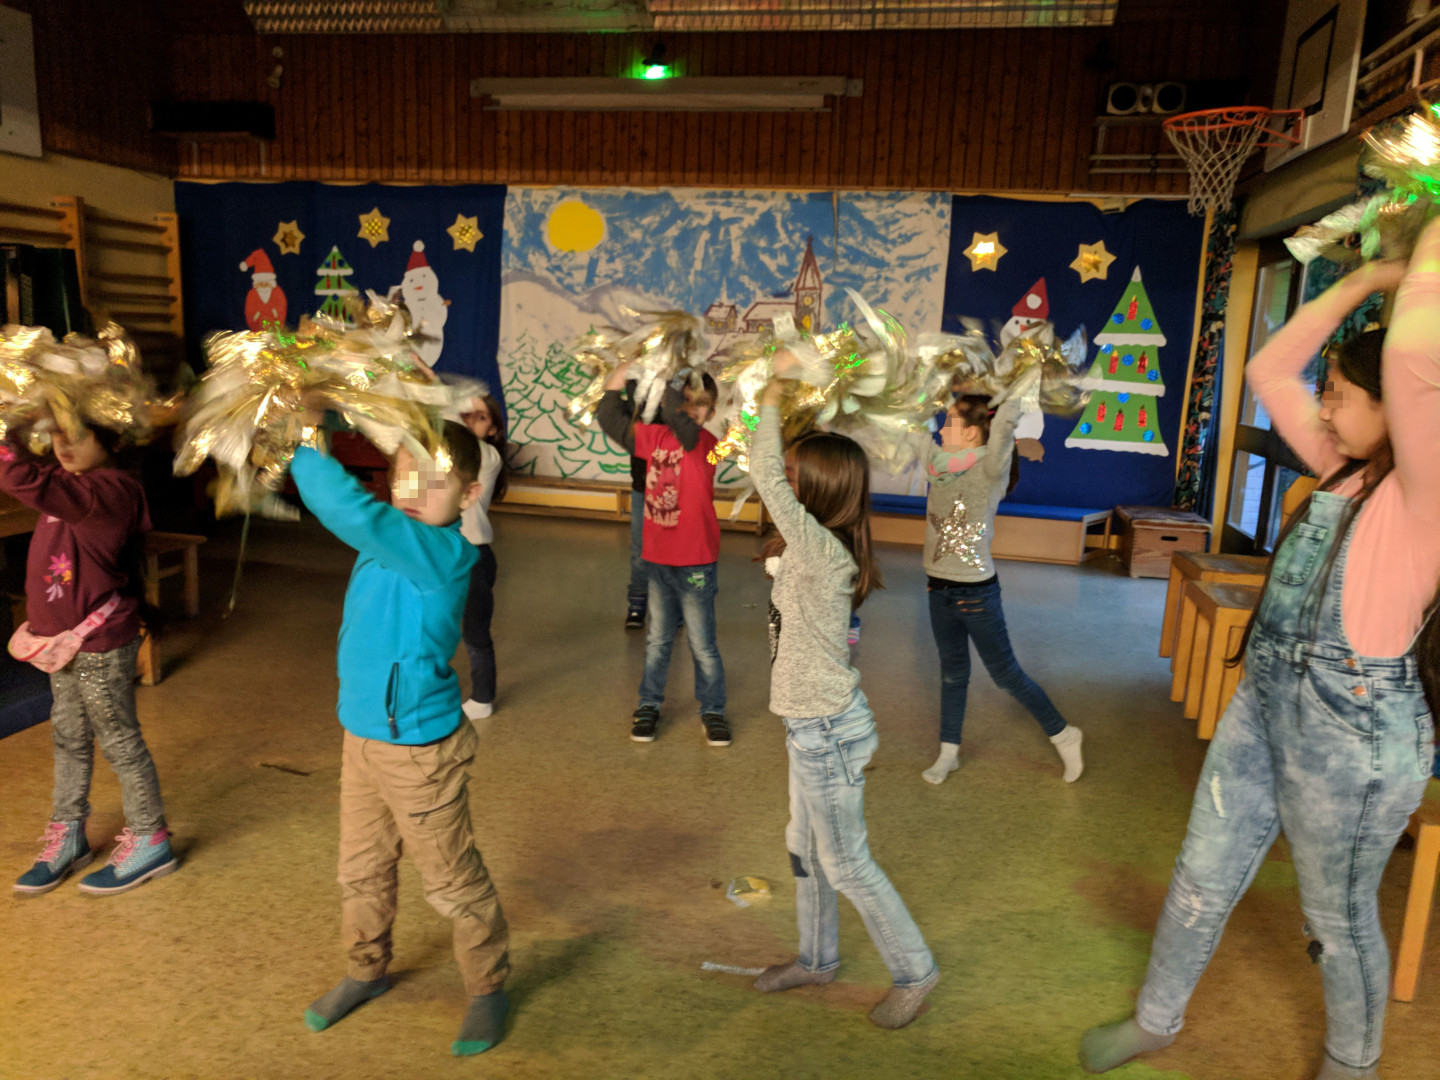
[[1214, 144]]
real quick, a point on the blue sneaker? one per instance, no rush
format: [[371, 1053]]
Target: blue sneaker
[[66, 850], [135, 860]]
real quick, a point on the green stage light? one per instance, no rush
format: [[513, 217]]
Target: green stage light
[[656, 71]]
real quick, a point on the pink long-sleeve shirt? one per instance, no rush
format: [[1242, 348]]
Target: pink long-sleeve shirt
[[1394, 562]]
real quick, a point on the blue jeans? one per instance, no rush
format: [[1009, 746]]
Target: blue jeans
[[639, 587], [829, 849], [1329, 746], [686, 592], [958, 613]]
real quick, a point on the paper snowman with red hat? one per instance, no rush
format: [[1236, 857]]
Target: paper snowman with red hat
[[1031, 315], [420, 289], [265, 302]]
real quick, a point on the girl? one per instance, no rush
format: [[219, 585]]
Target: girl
[[82, 563], [1329, 736], [971, 471], [487, 423], [819, 498]]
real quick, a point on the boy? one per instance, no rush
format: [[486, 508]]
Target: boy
[[681, 543], [407, 749]]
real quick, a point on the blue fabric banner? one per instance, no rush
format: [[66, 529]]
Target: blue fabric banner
[[256, 253], [1070, 245]]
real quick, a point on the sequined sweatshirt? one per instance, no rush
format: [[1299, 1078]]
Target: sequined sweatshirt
[[965, 488], [82, 545], [810, 673]]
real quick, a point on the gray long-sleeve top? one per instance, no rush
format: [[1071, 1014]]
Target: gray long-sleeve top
[[966, 487], [810, 601]]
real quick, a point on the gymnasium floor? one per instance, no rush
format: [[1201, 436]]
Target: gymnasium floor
[[1037, 898]]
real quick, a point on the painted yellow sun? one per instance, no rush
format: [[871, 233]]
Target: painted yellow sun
[[574, 226]]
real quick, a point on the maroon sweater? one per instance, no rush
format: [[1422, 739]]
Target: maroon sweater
[[77, 551]]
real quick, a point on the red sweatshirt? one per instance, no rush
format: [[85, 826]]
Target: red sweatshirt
[[76, 552]]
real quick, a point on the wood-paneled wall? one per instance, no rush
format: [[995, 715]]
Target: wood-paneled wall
[[1001, 110]]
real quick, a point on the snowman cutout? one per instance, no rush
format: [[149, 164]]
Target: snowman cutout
[[420, 291], [1031, 315]]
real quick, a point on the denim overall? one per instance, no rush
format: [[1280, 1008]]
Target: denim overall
[[1332, 747]]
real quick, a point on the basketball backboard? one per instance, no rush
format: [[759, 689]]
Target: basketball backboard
[[1319, 59]]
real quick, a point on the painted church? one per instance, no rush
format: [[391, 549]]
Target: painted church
[[802, 301]]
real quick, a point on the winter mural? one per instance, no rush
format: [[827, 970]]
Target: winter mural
[[573, 259]]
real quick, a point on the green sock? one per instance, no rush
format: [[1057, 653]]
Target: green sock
[[348, 993], [1103, 1048], [483, 1026]]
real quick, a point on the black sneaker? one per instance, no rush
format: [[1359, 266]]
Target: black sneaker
[[642, 728], [717, 729], [635, 615]]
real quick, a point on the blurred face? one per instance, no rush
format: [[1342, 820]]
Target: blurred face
[[79, 455], [1354, 418], [425, 493], [699, 405], [479, 421], [958, 435]]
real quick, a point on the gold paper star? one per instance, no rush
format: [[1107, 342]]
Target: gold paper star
[[984, 251], [1093, 262], [465, 232], [288, 236], [958, 535], [374, 227]]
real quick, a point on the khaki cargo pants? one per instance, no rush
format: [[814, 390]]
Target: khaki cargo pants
[[416, 798]]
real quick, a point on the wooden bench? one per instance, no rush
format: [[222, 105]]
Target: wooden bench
[[1206, 682], [1029, 533], [149, 662], [1425, 828]]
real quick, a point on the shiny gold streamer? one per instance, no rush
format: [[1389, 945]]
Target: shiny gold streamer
[[665, 344]]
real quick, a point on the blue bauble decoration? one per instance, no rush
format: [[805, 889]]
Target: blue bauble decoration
[[1117, 319], [1145, 324], [1107, 348], [1153, 375], [1127, 359], [1084, 429], [1124, 398], [1149, 436]]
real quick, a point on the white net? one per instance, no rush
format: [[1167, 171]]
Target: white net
[[1214, 148]]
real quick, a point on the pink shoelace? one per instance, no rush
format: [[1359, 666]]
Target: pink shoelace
[[125, 844], [54, 838]]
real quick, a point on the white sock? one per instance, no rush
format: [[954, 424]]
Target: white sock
[[477, 710], [1067, 745], [945, 764]]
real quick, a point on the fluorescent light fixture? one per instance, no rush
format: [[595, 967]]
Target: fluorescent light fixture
[[659, 94]]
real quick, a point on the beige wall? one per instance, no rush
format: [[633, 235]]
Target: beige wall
[[111, 190]]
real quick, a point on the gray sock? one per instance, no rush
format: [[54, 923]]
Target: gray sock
[[1333, 1070], [1103, 1048], [348, 993], [788, 976], [484, 1024], [900, 1004]]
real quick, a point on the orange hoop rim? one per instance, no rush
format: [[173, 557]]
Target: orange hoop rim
[[1203, 121]]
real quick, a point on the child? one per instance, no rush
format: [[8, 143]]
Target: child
[[682, 544], [1328, 736], [818, 495], [407, 748], [971, 471], [487, 423], [84, 561]]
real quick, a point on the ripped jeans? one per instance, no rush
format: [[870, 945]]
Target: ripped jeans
[[829, 850], [1335, 749]]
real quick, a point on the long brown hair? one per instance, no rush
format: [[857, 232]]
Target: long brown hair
[[1359, 360], [974, 410], [498, 438], [832, 482]]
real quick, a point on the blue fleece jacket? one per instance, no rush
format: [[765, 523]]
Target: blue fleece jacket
[[402, 609]]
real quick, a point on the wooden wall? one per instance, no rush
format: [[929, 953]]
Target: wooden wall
[[1003, 110]]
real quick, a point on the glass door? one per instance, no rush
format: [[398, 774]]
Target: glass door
[[1263, 467]]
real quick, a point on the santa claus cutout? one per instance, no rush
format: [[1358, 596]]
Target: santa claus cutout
[[420, 289], [1030, 316], [265, 303]]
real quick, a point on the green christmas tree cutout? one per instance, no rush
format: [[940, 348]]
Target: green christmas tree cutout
[[1125, 380], [333, 286], [538, 389]]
